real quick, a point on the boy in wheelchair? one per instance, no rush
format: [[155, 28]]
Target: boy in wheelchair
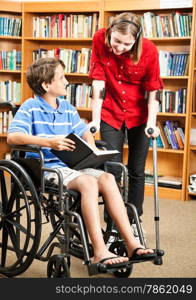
[[45, 121]]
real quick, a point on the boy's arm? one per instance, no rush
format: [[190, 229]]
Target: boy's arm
[[57, 143]]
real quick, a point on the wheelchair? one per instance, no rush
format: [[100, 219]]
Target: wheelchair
[[26, 197]]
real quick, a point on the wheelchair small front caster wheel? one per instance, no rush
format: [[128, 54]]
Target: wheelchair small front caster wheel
[[57, 267], [119, 248]]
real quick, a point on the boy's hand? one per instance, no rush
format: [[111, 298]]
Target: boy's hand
[[61, 143]]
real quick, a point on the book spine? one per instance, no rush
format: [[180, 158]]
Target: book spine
[[172, 138]]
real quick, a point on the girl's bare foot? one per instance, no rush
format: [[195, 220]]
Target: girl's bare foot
[[141, 250]]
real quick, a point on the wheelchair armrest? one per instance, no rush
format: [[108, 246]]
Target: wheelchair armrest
[[6, 104], [26, 148], [18, 151]]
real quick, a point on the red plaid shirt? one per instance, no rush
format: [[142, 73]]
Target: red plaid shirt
[[125, 82]]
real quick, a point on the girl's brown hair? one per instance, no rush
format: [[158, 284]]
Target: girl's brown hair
[[126, 23], [42, 70]]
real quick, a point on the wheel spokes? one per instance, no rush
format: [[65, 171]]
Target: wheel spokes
[[4, 245], [4, 195]]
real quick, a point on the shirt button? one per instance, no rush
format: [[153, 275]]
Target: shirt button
[[123, 92], [121, 67], [124, 110], [123, 101], [108, 63], [119, 76], [120, 82]]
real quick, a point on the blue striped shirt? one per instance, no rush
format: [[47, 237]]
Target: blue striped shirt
[[36, 117]]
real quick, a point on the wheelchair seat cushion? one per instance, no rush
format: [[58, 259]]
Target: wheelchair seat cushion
[[70, 174]]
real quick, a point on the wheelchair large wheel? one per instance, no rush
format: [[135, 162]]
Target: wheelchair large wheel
[[20, 219], [119, 248]]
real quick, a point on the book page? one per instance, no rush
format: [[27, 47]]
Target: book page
[[103, 152], [97, 152]]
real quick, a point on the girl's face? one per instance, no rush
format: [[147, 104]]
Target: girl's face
[[121, 43]]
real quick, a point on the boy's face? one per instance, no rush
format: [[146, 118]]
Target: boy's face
[[57, 87]]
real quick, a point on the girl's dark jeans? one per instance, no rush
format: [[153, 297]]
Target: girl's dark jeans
[[138, 144]]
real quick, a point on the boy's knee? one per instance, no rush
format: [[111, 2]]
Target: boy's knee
[[107, 177], [87, 181]]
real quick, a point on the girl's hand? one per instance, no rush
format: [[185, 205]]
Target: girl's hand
[[94, 124], [155, 129], [61, 143]]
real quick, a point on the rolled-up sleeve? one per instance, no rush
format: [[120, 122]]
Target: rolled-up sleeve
[[96, 67], [152, 80]]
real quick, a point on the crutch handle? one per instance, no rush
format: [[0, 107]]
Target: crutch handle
[[93, 129], [150, 130]]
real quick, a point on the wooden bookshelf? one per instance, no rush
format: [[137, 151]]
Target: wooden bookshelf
[[170, 162]]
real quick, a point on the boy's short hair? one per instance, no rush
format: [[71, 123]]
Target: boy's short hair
[[42, 70]]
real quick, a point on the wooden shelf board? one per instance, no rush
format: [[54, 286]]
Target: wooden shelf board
[[83, 40], [171, 114], [168, 150], [193, 148], [10, 37], [192, 194], [174, 77], [186, 39], [162, 150], [10, 71], [64, 6], [11, 6], [163, 192]]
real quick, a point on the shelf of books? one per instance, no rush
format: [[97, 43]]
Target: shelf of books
[[170, 29], [63, 30], [10, 64]]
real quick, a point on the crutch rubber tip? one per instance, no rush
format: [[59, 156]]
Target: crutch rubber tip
[[158, 261]]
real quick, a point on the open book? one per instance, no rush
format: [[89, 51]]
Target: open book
[[83, 156]]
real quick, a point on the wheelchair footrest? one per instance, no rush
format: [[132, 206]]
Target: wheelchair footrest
[[106, 268]]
